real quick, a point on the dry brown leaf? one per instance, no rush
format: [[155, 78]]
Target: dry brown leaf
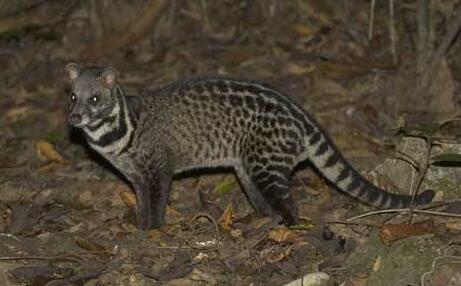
[[172, 212], [259, 222], [389, 233], [129, 198], [49, 167], [284, 235], [272, 256], [46, 152], [154, 234], [204, 277], [377, 263], [236, 233], [17, 113], [356, 67], [295, 69], [327, 86], [238, 55], [226, 219], [322, 11], [303, 29], [359, 279], [454, 225], [86, 196], [5, 268], [98, 249], [119, 187]]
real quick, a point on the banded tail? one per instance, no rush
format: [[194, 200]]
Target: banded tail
[[331, 164]]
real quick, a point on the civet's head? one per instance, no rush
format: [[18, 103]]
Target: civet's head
[[92, 96]]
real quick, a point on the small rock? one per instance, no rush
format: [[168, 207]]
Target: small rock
[[311, 279]]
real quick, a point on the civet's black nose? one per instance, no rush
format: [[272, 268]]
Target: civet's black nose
[[75, 118]]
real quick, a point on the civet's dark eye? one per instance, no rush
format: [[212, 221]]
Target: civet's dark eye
[[73, 97], [95, 99]]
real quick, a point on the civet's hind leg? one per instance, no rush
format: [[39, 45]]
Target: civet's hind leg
[[255, 197]]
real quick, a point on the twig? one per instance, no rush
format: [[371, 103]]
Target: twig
[[429, 206], [375, 213], [392, 34], [440, 204], [26, 258], [29, 7], [437, 213], [216, 233], [423, 172], [371, 224], [452, 259], [372, 20], [406, 210], [407, 159], [172, 247], [212, 220], [72, 259]]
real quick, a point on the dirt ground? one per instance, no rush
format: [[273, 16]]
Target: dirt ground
[[378, 77]]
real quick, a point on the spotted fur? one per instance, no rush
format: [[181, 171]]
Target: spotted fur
[[213, 122]]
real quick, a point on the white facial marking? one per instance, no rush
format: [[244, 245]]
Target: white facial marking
[[116, 146]]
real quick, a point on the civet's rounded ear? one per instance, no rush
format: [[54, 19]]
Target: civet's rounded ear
[[109, 76], [73, 70]]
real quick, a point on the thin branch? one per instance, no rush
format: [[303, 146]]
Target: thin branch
[[407, 159], [67, 258], [422, 174], [375, 213], [392, 34], [423, 210], [437, 213], [372, 20]]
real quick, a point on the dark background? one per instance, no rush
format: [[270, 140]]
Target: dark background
[[361, 67]]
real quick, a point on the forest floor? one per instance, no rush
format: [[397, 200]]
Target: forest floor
[[67, 217]]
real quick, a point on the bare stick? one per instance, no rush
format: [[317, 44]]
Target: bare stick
[[67, 258], [403, 211], [375, 213], [421, 210], [437, 213], [216, 233], [392, 34], [372, 20], [423, 172]]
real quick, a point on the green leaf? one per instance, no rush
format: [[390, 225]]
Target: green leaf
[[225, 186], [447, 159], [56, 135], [429, 129]]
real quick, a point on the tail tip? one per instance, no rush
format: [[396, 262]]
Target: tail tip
[[425, 197]]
